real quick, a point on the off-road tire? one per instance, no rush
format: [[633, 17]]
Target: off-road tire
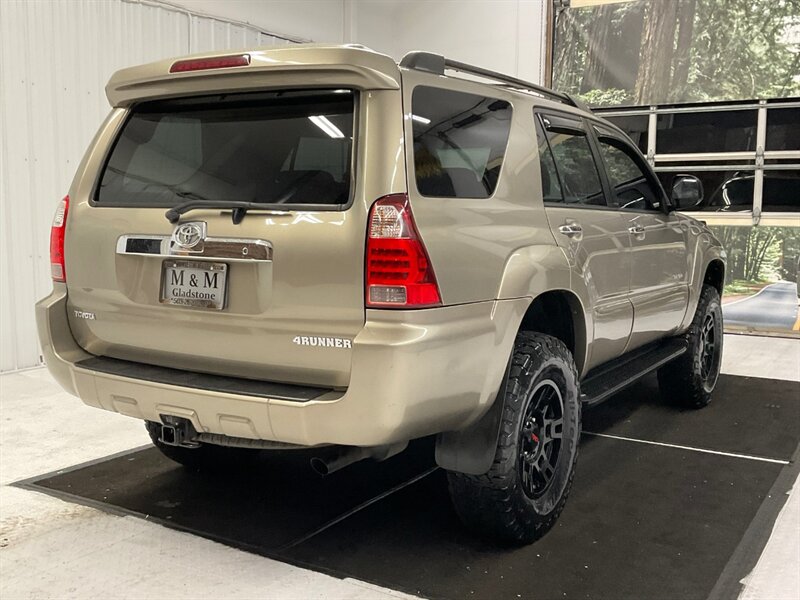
[[688, 380], [208, 457], [496, 505]]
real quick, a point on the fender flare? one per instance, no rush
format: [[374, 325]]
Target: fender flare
[[707, 252]]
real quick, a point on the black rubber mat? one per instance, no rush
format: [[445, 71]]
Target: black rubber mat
[[747, 415], [262, 506], [643, 520]]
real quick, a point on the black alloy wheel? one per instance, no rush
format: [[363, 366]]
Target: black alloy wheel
[[540, 438], [709, 354]]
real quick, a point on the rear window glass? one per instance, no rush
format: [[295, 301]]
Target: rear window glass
[[459, 142], [292, 147]]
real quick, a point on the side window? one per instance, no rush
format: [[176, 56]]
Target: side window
[[459, 142], [551, 186], [580, 180], [632, 188]]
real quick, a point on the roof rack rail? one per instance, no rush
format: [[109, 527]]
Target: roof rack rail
[[438, 64]]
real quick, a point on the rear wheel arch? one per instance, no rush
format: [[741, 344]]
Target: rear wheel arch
[[559, 313], [715, 275]]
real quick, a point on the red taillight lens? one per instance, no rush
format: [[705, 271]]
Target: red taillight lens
[[399, 273], [57, 241], [218, 62]]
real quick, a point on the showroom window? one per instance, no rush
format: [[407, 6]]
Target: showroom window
[[636, 128], [459, 142], [745, 183], [289, 148], [783, 129], [696, 131]]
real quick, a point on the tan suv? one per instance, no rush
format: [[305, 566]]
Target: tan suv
[[318, 247]]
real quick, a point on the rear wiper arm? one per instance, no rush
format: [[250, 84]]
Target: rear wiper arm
[[173, 215]]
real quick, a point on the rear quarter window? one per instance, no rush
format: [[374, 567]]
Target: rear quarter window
[[460, 142], [287, 148]]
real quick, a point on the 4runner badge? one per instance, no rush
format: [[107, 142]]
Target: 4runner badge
[[323, 342]]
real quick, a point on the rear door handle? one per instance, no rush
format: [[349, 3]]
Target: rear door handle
[[573, 230]]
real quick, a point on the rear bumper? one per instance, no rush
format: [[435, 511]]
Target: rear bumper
[[414, 373]]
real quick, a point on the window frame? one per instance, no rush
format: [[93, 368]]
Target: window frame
[[602, 132], [537, 126], [577, 126]]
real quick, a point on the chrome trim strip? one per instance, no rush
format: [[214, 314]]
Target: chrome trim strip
[[213, 248]]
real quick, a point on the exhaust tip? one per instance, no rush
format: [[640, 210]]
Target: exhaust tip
[[320, 466]]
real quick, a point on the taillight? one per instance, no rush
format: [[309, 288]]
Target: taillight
[[399, 273], [57, 241], [217, 62]]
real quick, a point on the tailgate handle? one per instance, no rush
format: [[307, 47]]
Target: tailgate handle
[[228, 249]]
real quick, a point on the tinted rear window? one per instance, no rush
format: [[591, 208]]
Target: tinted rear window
[[290, 148], [459, 142]]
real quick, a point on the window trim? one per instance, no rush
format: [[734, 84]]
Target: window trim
[[541, 114], [602, 133], [537, 125]]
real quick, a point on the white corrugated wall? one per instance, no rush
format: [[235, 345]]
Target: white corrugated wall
[[55, 59]]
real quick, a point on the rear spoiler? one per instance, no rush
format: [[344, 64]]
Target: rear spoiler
[[292, 66]]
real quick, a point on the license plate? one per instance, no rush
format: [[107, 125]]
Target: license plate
[[193, 283]]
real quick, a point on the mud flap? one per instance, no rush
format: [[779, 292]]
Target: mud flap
[[471, 450]]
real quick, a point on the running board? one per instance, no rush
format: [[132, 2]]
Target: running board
[[606, 380]]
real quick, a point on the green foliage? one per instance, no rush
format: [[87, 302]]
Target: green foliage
[[741, 50], [759, 254], [742, 287], [737, 49], [610, 97]]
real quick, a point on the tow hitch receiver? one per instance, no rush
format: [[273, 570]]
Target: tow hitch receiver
[[177, 431]]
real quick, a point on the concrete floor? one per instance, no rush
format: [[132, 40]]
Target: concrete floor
[[54, 549]]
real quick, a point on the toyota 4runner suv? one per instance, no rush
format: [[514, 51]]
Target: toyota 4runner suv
[[316, 247]]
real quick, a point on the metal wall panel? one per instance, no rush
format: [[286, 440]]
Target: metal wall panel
[[55, 59]]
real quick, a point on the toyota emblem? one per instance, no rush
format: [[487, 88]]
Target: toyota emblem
[[188, 235]]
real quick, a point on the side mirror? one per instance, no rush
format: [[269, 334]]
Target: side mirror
[[687, 192]]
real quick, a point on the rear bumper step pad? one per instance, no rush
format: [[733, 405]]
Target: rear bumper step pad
[[201, 381]]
